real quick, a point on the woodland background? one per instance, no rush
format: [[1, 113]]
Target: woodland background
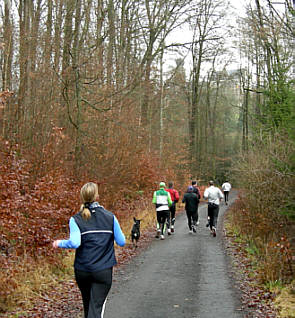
[[88, 92]]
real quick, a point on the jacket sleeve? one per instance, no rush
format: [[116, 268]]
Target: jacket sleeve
[[155, 197], [75, 236], [169, 199], [118, 234]]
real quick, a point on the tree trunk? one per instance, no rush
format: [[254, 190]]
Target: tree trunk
[[77, 88], [68, 37], [111, 45], [193, 129], [58, 36], [8, 48], [99, 40], [48, 40], [24, 36]]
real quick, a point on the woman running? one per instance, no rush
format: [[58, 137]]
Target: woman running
[[92, 233]]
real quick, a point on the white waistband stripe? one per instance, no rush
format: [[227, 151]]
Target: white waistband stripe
[[97, 231]]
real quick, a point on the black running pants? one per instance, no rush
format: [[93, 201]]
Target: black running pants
[[213, 215], [94, 287], [192, 218], [162, 218], [225, 196], [172, 213]]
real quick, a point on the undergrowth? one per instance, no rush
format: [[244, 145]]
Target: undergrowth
[[28, 280], [285, 302], [270, 265]]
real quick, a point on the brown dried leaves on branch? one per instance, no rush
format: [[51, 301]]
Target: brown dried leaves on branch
[[31, 217], [34, 212]]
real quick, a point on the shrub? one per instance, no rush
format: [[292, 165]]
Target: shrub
[[265, 216]]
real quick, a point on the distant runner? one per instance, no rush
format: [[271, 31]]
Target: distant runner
[[213, 194], [191, 207], [226, 187], [162, 201], [175, 198]]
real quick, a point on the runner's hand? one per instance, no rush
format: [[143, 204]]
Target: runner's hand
[[55, 243]]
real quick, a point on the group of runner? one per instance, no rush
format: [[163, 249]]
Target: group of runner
[[165, 200], [93, 231]]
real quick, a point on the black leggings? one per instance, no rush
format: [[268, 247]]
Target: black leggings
[[192, 216], [162, 218], [94, 287], [172, 213], [213, 215], [225, 195]]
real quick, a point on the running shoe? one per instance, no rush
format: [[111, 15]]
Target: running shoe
[[194, 228], [169, 231], [198, 222], [172, 229], [158, 233], [162, 237], [190, 231], [213, 231], [208, 222]]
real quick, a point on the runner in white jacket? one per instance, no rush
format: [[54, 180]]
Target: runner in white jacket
[[226, 187], [214, 195]]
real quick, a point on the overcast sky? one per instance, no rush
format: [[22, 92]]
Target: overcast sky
[[184, 35]]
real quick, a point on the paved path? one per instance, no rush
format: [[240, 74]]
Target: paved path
[[184, 276]]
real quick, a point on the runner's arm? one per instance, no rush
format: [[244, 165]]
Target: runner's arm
[[118, 234], [75, 236], [155, 198]]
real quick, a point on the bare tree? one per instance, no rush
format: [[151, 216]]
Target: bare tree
[[207, 26]]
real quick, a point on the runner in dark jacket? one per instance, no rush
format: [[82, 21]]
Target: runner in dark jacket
[[191, 201]]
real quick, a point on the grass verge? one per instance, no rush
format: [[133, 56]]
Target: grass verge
[[275, 297], [27, 280], [285, 302]]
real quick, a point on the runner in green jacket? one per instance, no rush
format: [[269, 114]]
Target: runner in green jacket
[[162, 201]]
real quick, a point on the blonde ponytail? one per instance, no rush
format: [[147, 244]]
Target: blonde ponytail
[[88, 194], [85, 212]]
